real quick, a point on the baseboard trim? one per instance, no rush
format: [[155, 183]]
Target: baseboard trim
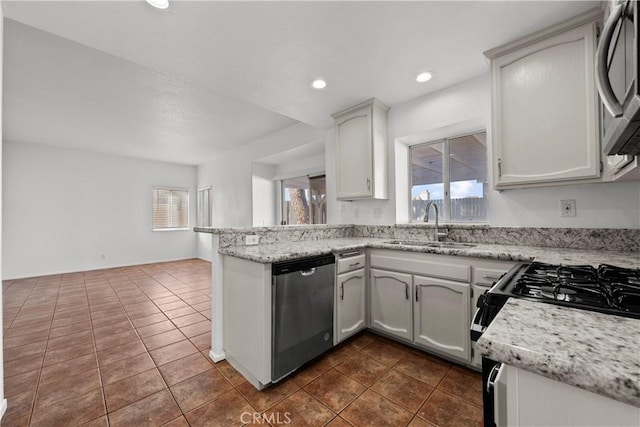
[[106, 267], [216, 357], [3, 407]]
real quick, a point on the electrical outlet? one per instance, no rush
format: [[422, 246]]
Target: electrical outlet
[[356, 213], [568, 208], [251, 239]]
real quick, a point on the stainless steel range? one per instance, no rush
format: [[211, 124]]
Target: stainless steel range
[[606, 289]]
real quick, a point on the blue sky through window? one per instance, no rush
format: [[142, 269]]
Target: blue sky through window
[[459, 190]]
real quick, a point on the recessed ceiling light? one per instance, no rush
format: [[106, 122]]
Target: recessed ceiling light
[[318, 84], [159, 4], [423, 77]]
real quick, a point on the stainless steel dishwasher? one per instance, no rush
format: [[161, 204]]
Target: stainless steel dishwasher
[[302, 302]]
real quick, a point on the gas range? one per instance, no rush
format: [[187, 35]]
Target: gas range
[[606, 289]]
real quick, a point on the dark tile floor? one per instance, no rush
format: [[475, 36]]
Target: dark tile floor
[[129, 346]]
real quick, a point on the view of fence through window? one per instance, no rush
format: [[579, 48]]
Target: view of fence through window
[[304, 200], [452, 173]]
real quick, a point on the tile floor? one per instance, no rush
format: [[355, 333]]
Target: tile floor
[[128, 347]]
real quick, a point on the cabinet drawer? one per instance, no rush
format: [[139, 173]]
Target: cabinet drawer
[[350, 263], [486, 275], [441, 266]]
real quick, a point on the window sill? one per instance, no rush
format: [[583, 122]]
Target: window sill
[[445, 224], [171, 229]]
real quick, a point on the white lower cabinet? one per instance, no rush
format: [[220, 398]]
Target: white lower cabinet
[[528, 399], [391, 307], [441, 316], [427, 299], [351, 303]]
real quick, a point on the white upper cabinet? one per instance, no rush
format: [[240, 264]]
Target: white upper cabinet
[[545, 111], [361, 151]]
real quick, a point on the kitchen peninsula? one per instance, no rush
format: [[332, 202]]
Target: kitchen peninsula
[[481, 243]]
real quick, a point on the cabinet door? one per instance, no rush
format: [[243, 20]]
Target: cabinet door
[[534, 400], [441, 316], [545, 111], [354, 154], [391, 303], [351, 304]]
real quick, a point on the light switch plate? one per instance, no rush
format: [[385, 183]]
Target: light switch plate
[[251, 239], [568, 208]]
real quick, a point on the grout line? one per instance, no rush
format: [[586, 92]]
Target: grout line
[[44, 355], [121, 283]]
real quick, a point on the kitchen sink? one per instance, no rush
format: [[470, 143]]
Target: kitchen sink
[[432, 244]]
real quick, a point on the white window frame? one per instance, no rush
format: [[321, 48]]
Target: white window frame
[[183, 228], [203, 222], [446, 177], [280, 195]]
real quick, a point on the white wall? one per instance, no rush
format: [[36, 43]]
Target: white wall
[[610, 205], [614, 205], [3, 401], [309, 165], [63, 209], [264, 195], [230, 177]]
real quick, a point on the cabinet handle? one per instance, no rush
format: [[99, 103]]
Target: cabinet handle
[[491, 380], [488, 277], [368, 184], [406, 291], [602, 73], [354, 264], [417, 293], [342, 291], [499, 168]]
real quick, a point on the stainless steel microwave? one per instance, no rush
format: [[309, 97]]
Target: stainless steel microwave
[[617, 79]]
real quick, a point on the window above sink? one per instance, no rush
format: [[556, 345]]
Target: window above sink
[[452, 173]]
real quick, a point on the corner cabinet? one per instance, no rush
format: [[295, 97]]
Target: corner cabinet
[[545, 111], [441, 316], [351, 287], [361, 151]]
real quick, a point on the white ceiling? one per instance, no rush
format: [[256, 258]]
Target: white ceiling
[[184, 84]]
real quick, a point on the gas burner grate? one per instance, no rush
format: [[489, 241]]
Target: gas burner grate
[[604, 287]]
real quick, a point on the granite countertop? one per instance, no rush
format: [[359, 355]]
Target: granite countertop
[[274, 252], [589, 350], [268, 253]]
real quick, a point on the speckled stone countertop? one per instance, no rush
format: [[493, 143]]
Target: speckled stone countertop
[[589, 350], [274, 252], [268, 253]]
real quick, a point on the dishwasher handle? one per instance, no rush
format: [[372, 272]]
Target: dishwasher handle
[[308, 272]]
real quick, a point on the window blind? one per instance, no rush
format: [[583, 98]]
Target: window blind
[[204, 207], [170, 208]]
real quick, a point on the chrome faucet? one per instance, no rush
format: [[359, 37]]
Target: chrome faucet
[[436, 234]]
